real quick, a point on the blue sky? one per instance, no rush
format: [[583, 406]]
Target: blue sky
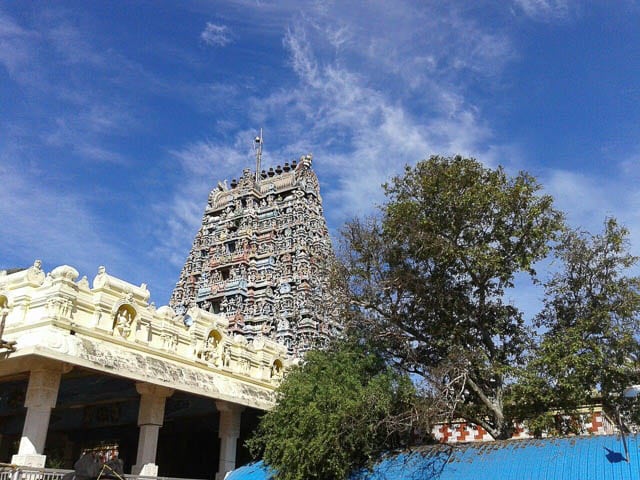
[[117, 118]]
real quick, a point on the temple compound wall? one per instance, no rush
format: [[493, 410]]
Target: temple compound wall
[[77, 357], [592, 421], [261, 259]]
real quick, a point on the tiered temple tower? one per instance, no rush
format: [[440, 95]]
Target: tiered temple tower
[[261, 258]]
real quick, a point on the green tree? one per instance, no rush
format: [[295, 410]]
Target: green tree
[[590, 322], [426, 281], [336, 413]]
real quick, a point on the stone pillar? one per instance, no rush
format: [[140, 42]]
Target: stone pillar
[[42, 393], [150, 419], [228, 432]]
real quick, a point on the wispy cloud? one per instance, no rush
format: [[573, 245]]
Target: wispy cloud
[[32, 211], [73, 47], [46, 215], [216, 35], [203, 163], [547, 10], [87, 133], [360, 135], [15, 45], [589, 198], [68, 107]]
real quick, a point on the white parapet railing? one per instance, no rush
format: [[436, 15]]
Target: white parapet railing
[[16, 472]]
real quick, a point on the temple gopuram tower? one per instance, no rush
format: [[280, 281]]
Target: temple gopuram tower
[[261, 258]]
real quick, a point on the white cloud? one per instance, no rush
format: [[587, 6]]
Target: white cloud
[[86, 131], [203, 164], [207, 158], [216, 35], [15, 45], [547, 10], [419, 42], [590, 198], [360, 136], [73, 47], [52, 223], [301, 59], [73, 105]]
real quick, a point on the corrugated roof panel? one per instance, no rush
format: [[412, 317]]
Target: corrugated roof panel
[[254, 471], [584, 458], [573, 458]]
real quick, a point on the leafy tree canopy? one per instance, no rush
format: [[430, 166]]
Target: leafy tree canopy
[[337, 412], [428, 278], [590, 322]]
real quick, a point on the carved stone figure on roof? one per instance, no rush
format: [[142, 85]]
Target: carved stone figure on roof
[[123, 321], [226, 357]]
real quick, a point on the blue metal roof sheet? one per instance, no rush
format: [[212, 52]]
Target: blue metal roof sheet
[[253, 471], [572, 458]]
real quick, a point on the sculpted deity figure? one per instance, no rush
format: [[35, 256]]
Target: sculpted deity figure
[[276, 370], [124, 319], [210, 350], [226, 360], [224, 304], [283, 324], [266, 329]]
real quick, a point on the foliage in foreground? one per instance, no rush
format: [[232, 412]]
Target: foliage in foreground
[[337, 412]]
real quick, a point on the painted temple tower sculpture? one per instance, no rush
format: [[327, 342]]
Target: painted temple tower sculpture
[[261, 257]]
